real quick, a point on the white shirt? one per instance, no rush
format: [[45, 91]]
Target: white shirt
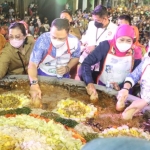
[[147, 50], [101, 34]]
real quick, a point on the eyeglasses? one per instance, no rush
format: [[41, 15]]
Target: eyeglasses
[[17, 37]]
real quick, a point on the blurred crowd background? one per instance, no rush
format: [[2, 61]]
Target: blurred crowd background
[[37, 24]]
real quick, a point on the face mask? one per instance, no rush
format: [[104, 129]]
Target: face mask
[[57, 44], [16, 43], [98, 25], [123, 47]]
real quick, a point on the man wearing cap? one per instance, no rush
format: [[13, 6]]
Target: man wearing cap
[[100, 29]]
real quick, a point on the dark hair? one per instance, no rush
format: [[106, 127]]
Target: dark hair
[[125, 17], [21, 27], [61, 24], [68, 12], [100, 10]]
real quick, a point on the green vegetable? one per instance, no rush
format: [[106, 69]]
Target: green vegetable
[[23, 110], [90, 136], [68, 122], [18, 111]]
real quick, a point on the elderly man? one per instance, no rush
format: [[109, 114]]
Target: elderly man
[[54, 54]]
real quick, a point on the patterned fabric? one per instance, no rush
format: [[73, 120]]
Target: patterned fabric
[[42, 45], [135, 76]]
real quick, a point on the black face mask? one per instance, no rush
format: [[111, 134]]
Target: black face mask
[[98, 25]]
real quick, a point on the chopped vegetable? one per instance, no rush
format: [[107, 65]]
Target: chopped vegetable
[[23, 110], [90, 136], [57, 118]]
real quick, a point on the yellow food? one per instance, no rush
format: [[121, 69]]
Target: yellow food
[[7, 142], [11, 101], [76, 110]]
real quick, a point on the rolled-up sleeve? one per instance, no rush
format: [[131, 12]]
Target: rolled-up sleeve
[[135, 76], [98, 55]]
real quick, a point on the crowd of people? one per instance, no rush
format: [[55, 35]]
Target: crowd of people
[[105, 47]]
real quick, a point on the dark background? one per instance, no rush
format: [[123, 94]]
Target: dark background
[[50, 8]]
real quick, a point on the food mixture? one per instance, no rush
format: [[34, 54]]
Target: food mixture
[[67, 119], [106, 115]]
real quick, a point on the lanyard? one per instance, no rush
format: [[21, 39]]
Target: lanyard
[[97, 38], [23, 65]]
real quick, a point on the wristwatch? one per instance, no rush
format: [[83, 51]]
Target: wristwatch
[[33, 82]]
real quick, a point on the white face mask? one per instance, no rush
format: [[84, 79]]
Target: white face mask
[[16, 43], [57, 44], [123, 47]]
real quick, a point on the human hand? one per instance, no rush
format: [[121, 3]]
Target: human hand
[[62, 70], [115, 86], [35, 92], [92, 92], [122, 96], [134, 108], [89, 49]]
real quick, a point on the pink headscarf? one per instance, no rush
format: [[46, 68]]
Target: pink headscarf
[[123, 30]]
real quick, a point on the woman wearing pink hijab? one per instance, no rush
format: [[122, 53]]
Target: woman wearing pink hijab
[[116, 60]]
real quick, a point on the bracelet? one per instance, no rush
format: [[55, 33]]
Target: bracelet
[[128, 82], [126, 89], [34, 82], [67, 69]]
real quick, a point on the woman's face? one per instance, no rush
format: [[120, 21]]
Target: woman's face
[[124, 43], [124, 39], [16, 37], [16, 34]]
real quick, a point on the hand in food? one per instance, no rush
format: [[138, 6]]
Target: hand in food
[[122, 96], [134, 108], [92, 92], [35, 92]]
